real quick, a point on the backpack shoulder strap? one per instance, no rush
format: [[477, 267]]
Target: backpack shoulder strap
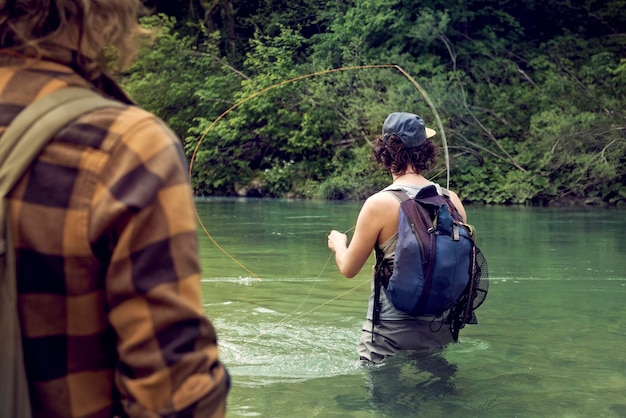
[[32, 128], [20, 144], [434, 193], [400, 195], [424, 192], [453, 210]]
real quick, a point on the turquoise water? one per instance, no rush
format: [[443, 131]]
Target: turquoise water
[[549, 343]]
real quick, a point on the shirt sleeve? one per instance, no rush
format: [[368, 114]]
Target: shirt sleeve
[[144, 214]]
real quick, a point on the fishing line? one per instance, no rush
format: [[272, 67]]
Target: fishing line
[[290, 316], [444, 141], [289, 81], [312, 286], [293, 318], [303, 77], [330, 71], [222, 249]]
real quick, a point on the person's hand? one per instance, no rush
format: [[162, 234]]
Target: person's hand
[[337, 240]]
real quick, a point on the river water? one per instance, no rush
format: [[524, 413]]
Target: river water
[[550, 342]]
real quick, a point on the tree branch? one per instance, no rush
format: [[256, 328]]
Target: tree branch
[[487, 132]]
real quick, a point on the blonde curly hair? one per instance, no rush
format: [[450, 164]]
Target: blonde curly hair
[[106, 30]]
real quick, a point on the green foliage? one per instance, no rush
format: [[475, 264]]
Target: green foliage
[[176, 79], [282, 127], [531, 95], [279, 178], [357, 176]]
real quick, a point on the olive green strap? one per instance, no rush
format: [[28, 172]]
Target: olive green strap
[[32, 128], [20, 144]]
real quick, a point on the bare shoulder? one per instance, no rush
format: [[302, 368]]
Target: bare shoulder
[[456, 201], [380, 215], [381, 202], [454, 196]]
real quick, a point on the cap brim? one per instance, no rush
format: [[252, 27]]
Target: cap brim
[[430, 133]]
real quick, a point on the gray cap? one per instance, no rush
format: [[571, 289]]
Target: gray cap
[[408, 127]]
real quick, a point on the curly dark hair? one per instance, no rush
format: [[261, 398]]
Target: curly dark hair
[[394, 156]]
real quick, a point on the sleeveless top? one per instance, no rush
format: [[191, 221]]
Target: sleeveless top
[[388, 311]]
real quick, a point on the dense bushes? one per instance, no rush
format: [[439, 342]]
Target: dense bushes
[[532, 115]]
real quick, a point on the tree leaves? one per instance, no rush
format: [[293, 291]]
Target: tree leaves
[[531, 94]]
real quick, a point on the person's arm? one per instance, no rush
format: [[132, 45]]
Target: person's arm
[[168, 361], [378, 214]]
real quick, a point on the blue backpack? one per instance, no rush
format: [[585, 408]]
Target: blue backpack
[[437, 266]]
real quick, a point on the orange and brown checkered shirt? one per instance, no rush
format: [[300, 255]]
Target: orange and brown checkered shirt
[[107, 262]]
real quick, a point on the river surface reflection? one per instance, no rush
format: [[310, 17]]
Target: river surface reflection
[[549, 343]]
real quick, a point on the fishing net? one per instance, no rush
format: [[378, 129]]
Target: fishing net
[[464, 311]]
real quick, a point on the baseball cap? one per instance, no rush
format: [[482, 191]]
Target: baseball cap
[[408, 127]]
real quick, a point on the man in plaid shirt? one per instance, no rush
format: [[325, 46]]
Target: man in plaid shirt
[[104, 232]]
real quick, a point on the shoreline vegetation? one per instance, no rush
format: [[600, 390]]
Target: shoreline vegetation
[[531, 95]]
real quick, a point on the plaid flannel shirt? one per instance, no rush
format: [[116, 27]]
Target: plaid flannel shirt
[[107, 262]]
